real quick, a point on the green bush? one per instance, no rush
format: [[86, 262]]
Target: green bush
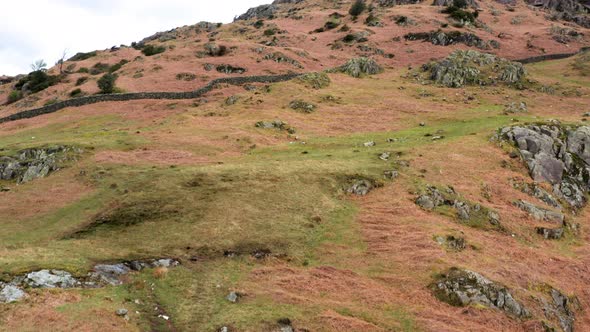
[[37, 81], [358, 7], [118, 66], [270, 32], [82, 56], [76, 92], [83, 70], [14, 96], [150, 50], [106, 83], [99, 68], [259, 24], [81, 80]]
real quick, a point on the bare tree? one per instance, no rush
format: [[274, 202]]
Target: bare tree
[[39, 65], [61, 61]]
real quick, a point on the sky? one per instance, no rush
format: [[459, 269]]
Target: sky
[[31, 30]]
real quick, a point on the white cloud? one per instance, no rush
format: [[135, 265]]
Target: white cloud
[[42, 29]]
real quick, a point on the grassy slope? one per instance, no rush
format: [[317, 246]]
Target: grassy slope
[[260, 198]]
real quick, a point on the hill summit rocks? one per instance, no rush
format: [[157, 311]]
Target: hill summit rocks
[[33, 163]]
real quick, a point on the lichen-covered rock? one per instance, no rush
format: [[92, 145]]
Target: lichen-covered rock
[[474, 68], [463, 287], [10, 293], [391, 3], [29, 164], [556, 154], [559, 308], [515, 107], [50, 279], [302, 106], [361, 187], [472, 3], [359, 67], [276, 124], [550, 233], [540, 213], [569, 10], [467, 213], [265, 11], [446, 38], [452, 242]]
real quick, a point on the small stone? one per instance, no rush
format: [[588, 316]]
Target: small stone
[[233, 297], [121, 312], [370, 144], [422, 124], [385, 156]]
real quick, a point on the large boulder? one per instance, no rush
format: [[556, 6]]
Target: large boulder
[[556, 154], [540, 213], [461, 288]]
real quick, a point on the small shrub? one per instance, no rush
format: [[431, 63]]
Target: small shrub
[[81, 80], [358, 7], [258, 24], [106, 83], [14, 96], [150, 50], [186, 77], [76, 93], [118, 66], [82, 56], [270, 32], [51, 102], [83, 70], [99, 68]]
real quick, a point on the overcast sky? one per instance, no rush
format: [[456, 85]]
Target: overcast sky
[[41, 29]]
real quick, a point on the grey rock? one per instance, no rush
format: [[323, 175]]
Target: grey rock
[[122, 312], [369, 144], [10, 293], [561, 308], [540, 213], [30, 164], [556, 154], [550, 233], [426, 202], [50, 279], [109, 274], [361, 187], [385, 156], [391, 174], [463, 210], [452, 242], [302, 106], [463, 287], [233, 297]]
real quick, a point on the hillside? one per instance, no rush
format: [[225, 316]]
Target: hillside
[[443, 188]]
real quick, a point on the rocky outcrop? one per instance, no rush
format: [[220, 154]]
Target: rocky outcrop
[[391, 3], [559, 308], [265, 11], [276, 124], [556, 154], [569, 10], [463, 287], [451, 242], [302, 106], [30, 164], [540, 213], [471, 3], [550, 233], [474, 68], [361, 187], [446, 38], [467, 213], [101, 275]]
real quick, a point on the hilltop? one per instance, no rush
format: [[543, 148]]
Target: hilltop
[[415, 167]]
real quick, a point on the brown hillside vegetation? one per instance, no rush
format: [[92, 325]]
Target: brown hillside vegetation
[[393, 201]]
